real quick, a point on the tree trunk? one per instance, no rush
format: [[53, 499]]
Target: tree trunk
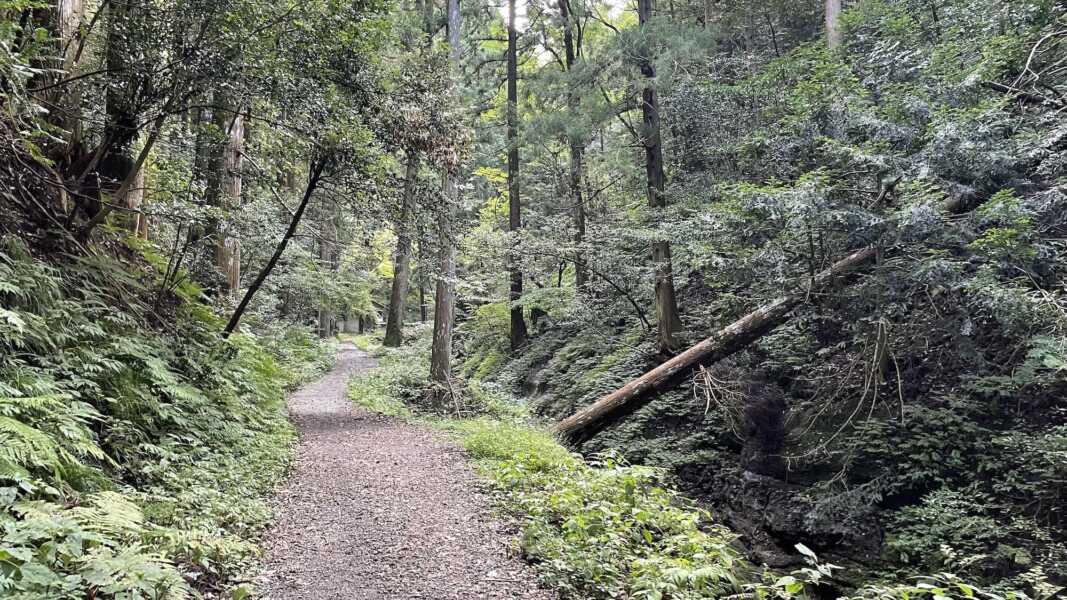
[[577, 147], [422, 286], [402, 272], [626, 400], [454, 25], [121, 129], [445, 296], [328, 261], [518, 323], [136, 221], [833, 28], [228, 246], [666, 301], [68, 98], [314, 177]]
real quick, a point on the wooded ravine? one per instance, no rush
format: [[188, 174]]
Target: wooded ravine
[[578, 299]]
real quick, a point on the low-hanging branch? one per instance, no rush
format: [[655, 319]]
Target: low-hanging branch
[[728, 340]]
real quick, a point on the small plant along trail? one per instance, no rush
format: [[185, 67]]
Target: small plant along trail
[[379, 509]]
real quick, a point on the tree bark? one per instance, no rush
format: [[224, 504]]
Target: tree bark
[[666, 300], [328, 261], [228, 246], [445, 296], [455, 24], [626, 400], [136, 222], [394, 324], [421, 277], [121, 129], [577, 146], [833, 29], [518, 323], [69, 14], [314, 177], [222, 161], [422, 301]]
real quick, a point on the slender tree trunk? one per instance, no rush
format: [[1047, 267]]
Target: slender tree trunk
[[402, 272], [577, 147], [222, 162], [445, 295], [581, 273], [135, 197], [518, 323], [422, 285], [228, 246], [314, 177], [666, 300], [455, 23], [833, 29], [328, 260], [422, 301]]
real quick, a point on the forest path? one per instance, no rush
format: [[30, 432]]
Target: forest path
[[377, 509]]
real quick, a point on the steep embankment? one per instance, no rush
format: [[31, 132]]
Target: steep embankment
[[136, 446]]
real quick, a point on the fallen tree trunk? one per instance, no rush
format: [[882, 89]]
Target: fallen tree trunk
[[626, 400]]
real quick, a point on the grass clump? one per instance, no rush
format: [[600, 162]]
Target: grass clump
[[367, 342], [393, 386], [603, 529], [372, 394]]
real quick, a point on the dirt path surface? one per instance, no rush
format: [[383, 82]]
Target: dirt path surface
[[378, 509]]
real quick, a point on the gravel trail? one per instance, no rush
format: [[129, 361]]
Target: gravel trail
[[377, 509]]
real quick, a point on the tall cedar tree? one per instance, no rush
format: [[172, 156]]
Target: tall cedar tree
[[518, 323], [445, 297], [666, 300]]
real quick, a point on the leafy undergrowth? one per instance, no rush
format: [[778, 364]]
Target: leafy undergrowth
[[400, 371], [134, 456], [601, 528]]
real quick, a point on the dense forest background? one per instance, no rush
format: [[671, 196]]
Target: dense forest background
[[547, 201]]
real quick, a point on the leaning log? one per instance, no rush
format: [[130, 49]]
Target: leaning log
[[626, 400]]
